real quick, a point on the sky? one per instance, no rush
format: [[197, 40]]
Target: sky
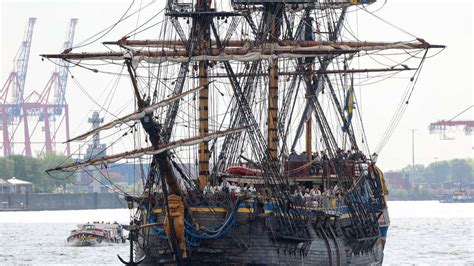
[[445, 87]]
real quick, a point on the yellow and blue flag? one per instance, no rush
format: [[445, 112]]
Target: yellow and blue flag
[[349, 106]]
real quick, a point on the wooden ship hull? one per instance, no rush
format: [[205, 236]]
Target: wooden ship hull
[[248, 232], [252, 241]]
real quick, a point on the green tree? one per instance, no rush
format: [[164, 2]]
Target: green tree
[[33, 170], [461, 171], [415, 172], [6, 167], [437, 172], [54, 180], [24, 167]]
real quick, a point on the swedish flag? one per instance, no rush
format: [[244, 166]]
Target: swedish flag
[[349, 106]]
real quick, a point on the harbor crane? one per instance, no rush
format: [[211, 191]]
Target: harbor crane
[[46, 111], [440, 127], [11, 95], [43, 110]]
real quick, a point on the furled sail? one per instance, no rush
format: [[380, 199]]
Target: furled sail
[[137, 115], [147, 151], [244, 53]]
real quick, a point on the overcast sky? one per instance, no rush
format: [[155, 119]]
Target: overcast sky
[[444, 89]]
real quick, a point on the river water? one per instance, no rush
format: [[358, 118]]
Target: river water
[[423, 232]]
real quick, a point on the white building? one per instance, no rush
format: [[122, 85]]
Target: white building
[[20, 186]]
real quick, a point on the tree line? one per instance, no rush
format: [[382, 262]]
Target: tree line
[[458, 172], [455, 171], [33, 170]]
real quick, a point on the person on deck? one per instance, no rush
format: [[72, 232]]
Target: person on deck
[[315, 192], [325, 198], [232, 187], [316, 166], [208, 188], [306, 193], [233, 193], [325, 160], [225, 185], [238, 189], [308, 200], [252, 189]]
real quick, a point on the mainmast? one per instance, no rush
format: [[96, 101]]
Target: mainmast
[[203, 30], [273, 18], [308, 35]]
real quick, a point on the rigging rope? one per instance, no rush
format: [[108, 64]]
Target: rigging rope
[[398, 114]]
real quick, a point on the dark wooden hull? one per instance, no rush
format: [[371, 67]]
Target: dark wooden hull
[[251, 241]]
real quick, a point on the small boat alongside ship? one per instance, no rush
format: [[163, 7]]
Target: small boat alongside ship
[[93, 234]]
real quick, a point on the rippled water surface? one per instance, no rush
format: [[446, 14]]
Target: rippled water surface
[[428, 233], [39, 238]]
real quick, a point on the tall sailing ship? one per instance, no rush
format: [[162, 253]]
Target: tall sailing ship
[[223, 99]]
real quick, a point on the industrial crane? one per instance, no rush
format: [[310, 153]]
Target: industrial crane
[[62, 69], [440, 127], [40, 107], [11, 95]]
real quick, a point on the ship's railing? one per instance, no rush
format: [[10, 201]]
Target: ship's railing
[[326, 203]]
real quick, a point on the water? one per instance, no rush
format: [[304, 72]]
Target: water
[[39, 238], [428, 233]]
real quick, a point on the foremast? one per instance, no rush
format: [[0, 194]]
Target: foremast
[[174, 218]]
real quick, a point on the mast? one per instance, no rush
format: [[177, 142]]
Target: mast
[[203, 29], [152, 128], [274, 17], [314, 89], [308, 68], [309, 138], [272, 117]]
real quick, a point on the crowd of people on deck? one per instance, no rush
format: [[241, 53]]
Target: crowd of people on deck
[[314, 197], [231, 187]]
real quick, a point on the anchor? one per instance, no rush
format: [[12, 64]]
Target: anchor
[[132, 237]]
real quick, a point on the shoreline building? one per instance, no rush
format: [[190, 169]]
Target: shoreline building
[[19, 186]]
